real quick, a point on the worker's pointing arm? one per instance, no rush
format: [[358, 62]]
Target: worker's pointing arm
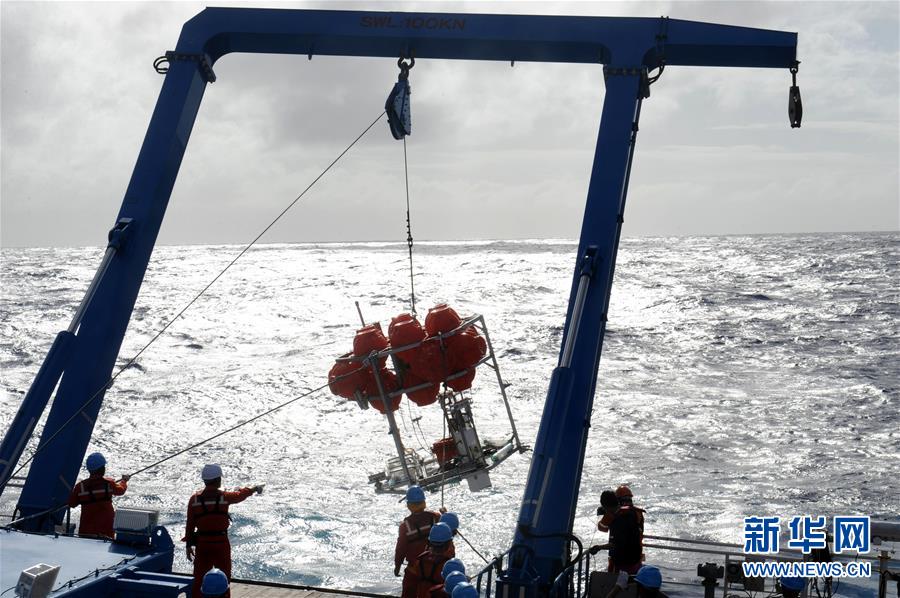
[[239, 495], [119, 488]]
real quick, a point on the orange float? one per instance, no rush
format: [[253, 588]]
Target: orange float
[[441, 318], [405, 330], [356, 378], [429, 363], [462, 383], [370, 338], [465, 349], [390, 384], [423, 396]]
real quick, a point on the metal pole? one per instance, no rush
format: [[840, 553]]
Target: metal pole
[[392, 423], [496, 368]]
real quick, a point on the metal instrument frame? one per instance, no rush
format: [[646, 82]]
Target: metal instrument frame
[[441, 477]]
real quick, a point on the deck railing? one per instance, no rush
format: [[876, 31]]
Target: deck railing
[[574, 580], [486, 577]]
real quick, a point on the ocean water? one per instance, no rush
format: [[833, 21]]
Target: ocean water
[[754, 375]]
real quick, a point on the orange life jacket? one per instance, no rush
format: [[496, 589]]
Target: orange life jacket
[[428, 569], [412, 536], [626, 533], [209, 512], [94, 496], [92, 490]]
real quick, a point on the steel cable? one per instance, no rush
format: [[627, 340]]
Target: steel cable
[[204, 441], [409, 238]]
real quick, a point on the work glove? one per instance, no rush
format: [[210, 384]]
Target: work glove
[[601, 511], [259, 488], [125, 478]]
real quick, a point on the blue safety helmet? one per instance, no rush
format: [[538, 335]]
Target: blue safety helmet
[[415, 494], [214, 583], [464, 590], [452, 565], [649, 577], [450, 519], [440, 533], [453, 579], [793, 583], [95, 461]]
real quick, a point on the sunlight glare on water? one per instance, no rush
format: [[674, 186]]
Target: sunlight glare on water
[[740, 376]]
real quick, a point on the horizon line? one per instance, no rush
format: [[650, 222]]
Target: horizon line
[[478, 240]]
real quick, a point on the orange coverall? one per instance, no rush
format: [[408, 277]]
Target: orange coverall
[[94, 495], [427, 569], [207, 530], [412, 539]]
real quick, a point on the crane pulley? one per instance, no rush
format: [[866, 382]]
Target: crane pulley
[[397, 104]]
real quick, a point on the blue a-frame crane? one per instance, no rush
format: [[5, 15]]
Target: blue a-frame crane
[[82, 357]]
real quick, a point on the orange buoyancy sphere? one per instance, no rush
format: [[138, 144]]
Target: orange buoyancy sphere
[[370, 338], [389, 383], [423, 396], [405, 330], [463, 382], [429, 362], [441, 318], [466, 349], [346, 377], [399, 320]]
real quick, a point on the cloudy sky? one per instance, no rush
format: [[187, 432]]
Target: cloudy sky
[[496, 152]]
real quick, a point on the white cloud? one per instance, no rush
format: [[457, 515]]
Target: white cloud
[[510, 148]]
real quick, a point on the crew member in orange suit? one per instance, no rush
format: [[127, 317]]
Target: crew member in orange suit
[[206, 532], [94, 495], [626, 532], [412, 538], [429, 565]]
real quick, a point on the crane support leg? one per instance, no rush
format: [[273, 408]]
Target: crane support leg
[[106, 315], [540, 549]]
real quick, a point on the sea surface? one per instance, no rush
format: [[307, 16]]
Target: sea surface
[[741, 375]]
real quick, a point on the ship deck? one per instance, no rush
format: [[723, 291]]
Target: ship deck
[[243, 588]]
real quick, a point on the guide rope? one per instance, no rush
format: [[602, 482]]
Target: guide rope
[[444, 453], [49, 511], [205, 440], [190, 303], [244, 423], [475, 550]]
